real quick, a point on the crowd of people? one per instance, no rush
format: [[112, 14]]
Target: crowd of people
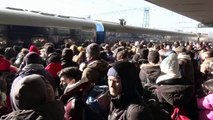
[[120, 81]]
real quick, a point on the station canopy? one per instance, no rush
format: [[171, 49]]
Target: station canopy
[[199, 10]]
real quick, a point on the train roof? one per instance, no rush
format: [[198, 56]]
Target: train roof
[[40, 19], [109, 26], [13, 16]]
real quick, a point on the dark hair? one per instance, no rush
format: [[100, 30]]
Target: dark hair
[[121, 55], [71, 72], [50, 49], [153, 57]]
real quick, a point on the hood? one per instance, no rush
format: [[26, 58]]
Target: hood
[[99, 65], [32, 58], [29, 92], [129, 76], [97, 70], [150, 71], [50, 111], [67, 55], [169, 68], [177, 95]]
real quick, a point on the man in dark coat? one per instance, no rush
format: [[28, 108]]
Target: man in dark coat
[[32, 64], [32, 98], [66, 58], [126, 103]]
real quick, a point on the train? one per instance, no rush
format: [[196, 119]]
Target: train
[[24, 27]]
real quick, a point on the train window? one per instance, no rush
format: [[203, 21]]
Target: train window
[[61, 31], [26, 35], [3, 29], [112, 37]]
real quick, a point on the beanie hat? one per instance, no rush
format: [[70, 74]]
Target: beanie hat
[[32, 58], [93, 50], [67, 53], [112, 72], [53, 58], [4, 64], [33, 48], [49, 49], [29, 92]]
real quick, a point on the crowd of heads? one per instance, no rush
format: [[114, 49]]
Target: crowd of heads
[[42, 75]]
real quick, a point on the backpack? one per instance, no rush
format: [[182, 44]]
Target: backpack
[[98, 99], [77, 109], [179, 113]]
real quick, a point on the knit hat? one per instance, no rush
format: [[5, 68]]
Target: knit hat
[[53, 58], [93, 50], [33, 48], [50, 49], [4, 64], [169, 68], [67, 53], [29, 92], [32, 58], [112, 72]]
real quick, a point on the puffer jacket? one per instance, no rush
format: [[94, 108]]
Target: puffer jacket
[[205, 107]]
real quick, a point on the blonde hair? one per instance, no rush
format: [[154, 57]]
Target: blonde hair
[[207, 86]]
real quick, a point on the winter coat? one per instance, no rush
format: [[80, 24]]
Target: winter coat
[[205, 107], [36, 69], [72, 104], [50, 111], [176, 95], [53, 69], [149, 73], [129, 105], [186, 68], [169, 68], [95, 71], [32, 97], [76, 108]]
